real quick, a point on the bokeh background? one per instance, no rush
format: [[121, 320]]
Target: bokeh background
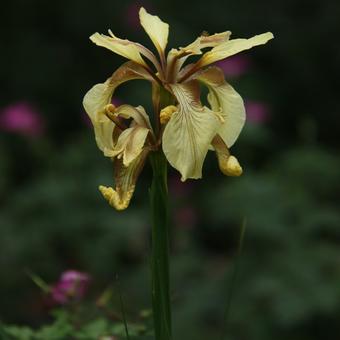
[[53, 218]]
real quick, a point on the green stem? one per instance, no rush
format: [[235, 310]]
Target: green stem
[[160, 248]]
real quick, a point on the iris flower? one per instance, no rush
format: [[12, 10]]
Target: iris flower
[[184, 128]]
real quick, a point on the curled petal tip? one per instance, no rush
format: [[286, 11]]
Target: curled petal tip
[[231, 167], [113, 198]]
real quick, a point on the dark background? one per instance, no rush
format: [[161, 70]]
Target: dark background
[[52, 217]]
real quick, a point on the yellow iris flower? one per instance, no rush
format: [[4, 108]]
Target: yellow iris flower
[[185, 130]]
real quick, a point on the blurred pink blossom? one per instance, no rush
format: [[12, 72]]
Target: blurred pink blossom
[[235, 66], [186, 217], [86, 119], [22, 118], [116, 101], [71, 286], [257, 112], [179, 188], [132, 13]]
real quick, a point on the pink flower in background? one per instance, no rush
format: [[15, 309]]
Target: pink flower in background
[[235, 66], [186, 217], [116, 101], [132, 13], [22, 118], [71, 286], [85, 119], [257, 112], [178, 188]]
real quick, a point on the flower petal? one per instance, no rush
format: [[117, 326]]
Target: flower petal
[[100, 95], [138, 114], [189, 132], [156, 29], [232, 47], [94, 103], [123, 47], [227, 163], [126, 48], [125, 181], [205, 41], [176, 58], [130, 144], [222, 96]]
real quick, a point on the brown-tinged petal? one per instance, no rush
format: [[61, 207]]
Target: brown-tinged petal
[[125, 181], [126, 48], [123, 47], [232, 47], [189, 132], [205, 41], [176, 58], [222, 97]]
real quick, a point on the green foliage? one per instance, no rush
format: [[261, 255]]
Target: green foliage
[[288, 273], [63, 328]]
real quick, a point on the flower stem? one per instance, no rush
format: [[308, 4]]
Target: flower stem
[[160, 248]]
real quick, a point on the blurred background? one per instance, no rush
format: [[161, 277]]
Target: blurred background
[[53, 219]]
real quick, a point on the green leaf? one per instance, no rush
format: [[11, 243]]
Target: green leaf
[[17, 333]]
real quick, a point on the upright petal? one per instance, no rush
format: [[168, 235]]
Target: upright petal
[[189, 132], [222, 96], [232, 47], [100, 95], [125, 181], [157, 30]]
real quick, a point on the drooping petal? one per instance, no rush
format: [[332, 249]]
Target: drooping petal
[[104, 136], [176, 58], [189, 132], [100, 95], [227, 163], [157, 30], [232, 47], [125, 181], [130, 144], [94, 102], [222, 96]]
